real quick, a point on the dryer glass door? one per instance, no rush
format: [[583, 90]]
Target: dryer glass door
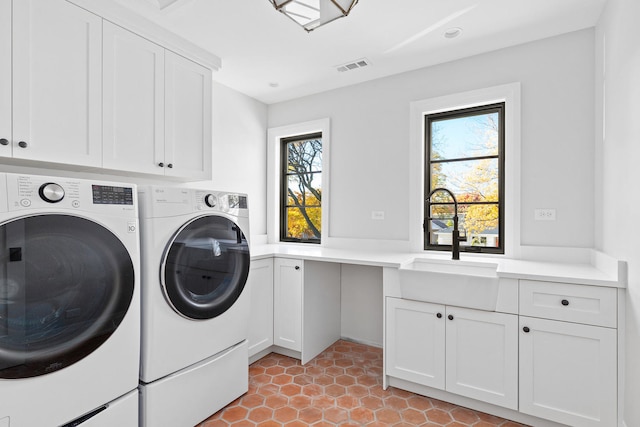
[[66, 283], [205, 267]]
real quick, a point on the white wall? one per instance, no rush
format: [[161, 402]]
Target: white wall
[[370, 138], [361, 304], [618, 141], [240, 150]]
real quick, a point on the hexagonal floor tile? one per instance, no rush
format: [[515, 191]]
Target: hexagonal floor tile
[[342, 386]]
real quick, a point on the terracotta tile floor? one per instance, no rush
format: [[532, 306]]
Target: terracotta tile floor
[[340, 387]]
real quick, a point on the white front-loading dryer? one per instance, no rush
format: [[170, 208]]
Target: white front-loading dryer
[[195, 306], [69, 302]]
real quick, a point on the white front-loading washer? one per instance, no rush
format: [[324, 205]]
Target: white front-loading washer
[[195, 306], [69, 302]]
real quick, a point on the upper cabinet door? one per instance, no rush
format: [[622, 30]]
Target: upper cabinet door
[[133, 111], [5, 78], [57, 75], [187, 118]]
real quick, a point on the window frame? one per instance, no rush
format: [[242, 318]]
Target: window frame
[[450, 114], [284, 185]]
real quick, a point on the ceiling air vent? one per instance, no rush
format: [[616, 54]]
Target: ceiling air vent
[[354, 65]]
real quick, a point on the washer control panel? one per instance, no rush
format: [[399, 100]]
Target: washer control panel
[[38, 192]]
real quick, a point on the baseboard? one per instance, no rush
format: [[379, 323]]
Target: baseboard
[[364, 342]]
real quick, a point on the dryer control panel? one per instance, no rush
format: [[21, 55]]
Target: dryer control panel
[[165, 202]]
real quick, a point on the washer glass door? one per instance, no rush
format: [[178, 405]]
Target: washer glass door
[[205, 267], [66, 283]]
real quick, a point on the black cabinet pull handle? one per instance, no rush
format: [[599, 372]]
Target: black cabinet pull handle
[[526, 329], [450, 317], [439, 315], [565, 302], [297, 267], [161, 164], [170, 165], [22, 144], [4, 141]]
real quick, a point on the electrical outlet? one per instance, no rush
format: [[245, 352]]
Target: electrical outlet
[[377, 215], [545, 215]]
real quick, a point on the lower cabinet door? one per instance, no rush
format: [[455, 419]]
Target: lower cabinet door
[[260, 283], [482, 356], [568, 372], [287, 303], [415, 347]]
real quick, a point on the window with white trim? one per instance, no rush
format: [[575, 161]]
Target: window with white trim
[[298, 182], [507, 94]]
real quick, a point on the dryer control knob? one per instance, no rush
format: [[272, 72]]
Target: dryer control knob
[[210, 200], [51, 192]]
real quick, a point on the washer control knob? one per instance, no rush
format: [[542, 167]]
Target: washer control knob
[[51, 192], [210, 200]]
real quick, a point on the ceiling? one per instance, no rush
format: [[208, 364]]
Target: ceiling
[[269, 57]]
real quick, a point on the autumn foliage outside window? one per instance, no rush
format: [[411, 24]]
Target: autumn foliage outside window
[[301, 194], [465, 154]]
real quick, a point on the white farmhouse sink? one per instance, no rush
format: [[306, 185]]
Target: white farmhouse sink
[[459, 283]]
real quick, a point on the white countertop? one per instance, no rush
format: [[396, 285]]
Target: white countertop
[[579, 273]]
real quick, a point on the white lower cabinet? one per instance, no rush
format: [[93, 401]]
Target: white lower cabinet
[[482, 356], [472, 353], [568, 372], [306, 306], [260, 283], [415, 342], [287, 303]]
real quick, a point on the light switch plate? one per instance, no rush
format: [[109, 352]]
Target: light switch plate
[[377, 215], [545, 215]]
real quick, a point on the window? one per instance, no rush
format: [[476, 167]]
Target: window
[[301, 192], [464, 153]]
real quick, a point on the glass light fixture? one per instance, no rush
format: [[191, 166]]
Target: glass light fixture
[[310, 14]]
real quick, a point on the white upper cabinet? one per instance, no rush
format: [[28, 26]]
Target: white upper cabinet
[[5, 78], [157, 109], [188, 118], [133, 112], [79, 90], [57, 83]]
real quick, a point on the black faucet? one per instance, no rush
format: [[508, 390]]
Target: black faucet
[[455, 235]]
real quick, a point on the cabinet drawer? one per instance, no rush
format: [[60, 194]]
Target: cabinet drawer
[[591, 305]]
